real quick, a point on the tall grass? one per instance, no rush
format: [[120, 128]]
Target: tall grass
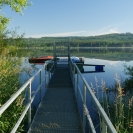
[[117, 104], [9, 84], [9, 80]]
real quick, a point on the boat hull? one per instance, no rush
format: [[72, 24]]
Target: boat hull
[[40, 59]]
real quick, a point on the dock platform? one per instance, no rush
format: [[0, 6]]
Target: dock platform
[[58, 112]]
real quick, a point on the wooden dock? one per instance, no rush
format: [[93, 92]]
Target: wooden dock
[[58, 111]]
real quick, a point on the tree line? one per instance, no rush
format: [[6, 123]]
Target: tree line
[[108, 40]]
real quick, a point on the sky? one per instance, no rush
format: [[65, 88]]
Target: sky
[[72, 18]]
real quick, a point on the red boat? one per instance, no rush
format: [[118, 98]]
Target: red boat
[[40, 59]]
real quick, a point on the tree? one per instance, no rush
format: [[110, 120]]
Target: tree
[[16, 5], [10, 68]]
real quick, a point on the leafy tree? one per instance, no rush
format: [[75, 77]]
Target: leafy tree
[[3, 22], [16, 5], [10, 67]]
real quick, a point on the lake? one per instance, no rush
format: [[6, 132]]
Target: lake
[[113, 59]]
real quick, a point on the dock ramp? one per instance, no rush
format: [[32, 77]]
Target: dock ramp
[[58, 111]]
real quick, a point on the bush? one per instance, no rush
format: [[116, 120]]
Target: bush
[[9, 84]]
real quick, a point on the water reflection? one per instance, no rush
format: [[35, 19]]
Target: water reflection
[[104, 53], [107, 53], [113, 59], [111, 68], [28, 71]]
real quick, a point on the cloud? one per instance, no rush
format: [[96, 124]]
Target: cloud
[[104, 30], [58, 34], [113, 63], [113, 30]]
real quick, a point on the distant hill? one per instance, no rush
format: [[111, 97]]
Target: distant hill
[[108, 40]]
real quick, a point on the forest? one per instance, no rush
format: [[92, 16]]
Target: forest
[[108, 40]]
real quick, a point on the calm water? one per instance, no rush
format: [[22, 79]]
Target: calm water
[[113, 59], [111, 69]]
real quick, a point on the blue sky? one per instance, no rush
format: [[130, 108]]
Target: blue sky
[[72, 17]]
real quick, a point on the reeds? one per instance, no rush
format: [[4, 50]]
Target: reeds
[[117, 104]]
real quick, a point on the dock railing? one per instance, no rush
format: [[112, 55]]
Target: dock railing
[[105, 126], [80, 93], [31, 97], [49, 70]]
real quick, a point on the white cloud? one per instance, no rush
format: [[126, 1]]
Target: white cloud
[[58, 34], [113, 30], [113, 63], [105, 30]]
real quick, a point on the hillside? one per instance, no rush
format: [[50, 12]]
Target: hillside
[[108, 40]]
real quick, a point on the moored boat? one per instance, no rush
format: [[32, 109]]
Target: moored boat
[[40, 59], [77, 59]]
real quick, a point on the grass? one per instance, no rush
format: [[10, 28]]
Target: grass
[[9, 84], [118, 105]]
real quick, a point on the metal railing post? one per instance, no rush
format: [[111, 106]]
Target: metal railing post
[[106, 125], [45, 75], [68, 53], [74, 76], [54, 54], [84, 105], [48, 76], [54, 49], [40, 85], [29, 100], [77, 85]]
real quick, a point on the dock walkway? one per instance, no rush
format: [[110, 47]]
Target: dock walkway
[[58, 111]]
